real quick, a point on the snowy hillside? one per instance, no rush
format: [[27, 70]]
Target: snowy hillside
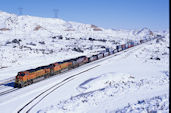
[[133, 80], [36, 27], [24, 38], [141, 87]]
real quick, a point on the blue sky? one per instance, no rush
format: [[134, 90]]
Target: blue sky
[[116, 14]]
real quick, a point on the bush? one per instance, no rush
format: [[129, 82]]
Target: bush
[[91, 39], [60, 37], [42, 42], [16, 41], [78, 50]]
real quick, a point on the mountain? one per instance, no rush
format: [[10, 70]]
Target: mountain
[[28, 41], [44, 27], [145, 31]]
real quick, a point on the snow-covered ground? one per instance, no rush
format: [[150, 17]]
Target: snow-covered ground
[[123, 84], [134, 80], [28, 42], [127, 82]]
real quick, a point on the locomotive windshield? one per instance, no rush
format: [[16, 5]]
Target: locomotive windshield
[[21, 74]]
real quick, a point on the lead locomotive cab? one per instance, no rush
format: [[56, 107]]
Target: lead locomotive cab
[[19, 80]]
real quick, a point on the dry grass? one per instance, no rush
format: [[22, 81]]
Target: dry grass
[[151, 33], [95, 28], [69, 30], [4, 29], [37, 28]]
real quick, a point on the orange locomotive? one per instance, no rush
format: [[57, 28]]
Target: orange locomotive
[[28, 77]]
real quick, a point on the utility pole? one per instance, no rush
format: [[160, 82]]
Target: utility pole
[[20, 10], [56, 13]]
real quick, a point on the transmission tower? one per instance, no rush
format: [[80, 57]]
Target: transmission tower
[[56, 13], [20, 10]]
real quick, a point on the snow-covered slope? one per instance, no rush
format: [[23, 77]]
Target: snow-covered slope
[[27, 42], [134, 83], [135, 80], [129, 81], [36, 27]]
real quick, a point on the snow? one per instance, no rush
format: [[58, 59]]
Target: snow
[[134, 80], [110, 91], [106, 88], [27, 37], [158, 104]]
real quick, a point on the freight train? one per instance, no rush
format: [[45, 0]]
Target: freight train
[[30, 76]]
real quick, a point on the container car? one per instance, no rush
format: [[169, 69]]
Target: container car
[[100, 55], [111, 52], [123, 46], [115, 51], [119, 48], [106, 54], [82, 60], [126, 46], [92, 58]]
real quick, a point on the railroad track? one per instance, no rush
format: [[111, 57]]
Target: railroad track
[[6, 86], [5, 89], [8, 91], [32, 103], [8, 80], [12, 79]]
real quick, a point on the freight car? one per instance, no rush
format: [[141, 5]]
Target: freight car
[[141, 41], [92, 58], [106, 54], [81, 60], [115, 51], [111, 52], [126, 46], [135, 43], [100, 55], [132, 44], [123, 46], [119, 48]]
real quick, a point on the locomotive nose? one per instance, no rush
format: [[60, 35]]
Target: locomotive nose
[[19, 78]]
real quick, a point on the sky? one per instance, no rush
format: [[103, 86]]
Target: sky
[[116, 14]]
